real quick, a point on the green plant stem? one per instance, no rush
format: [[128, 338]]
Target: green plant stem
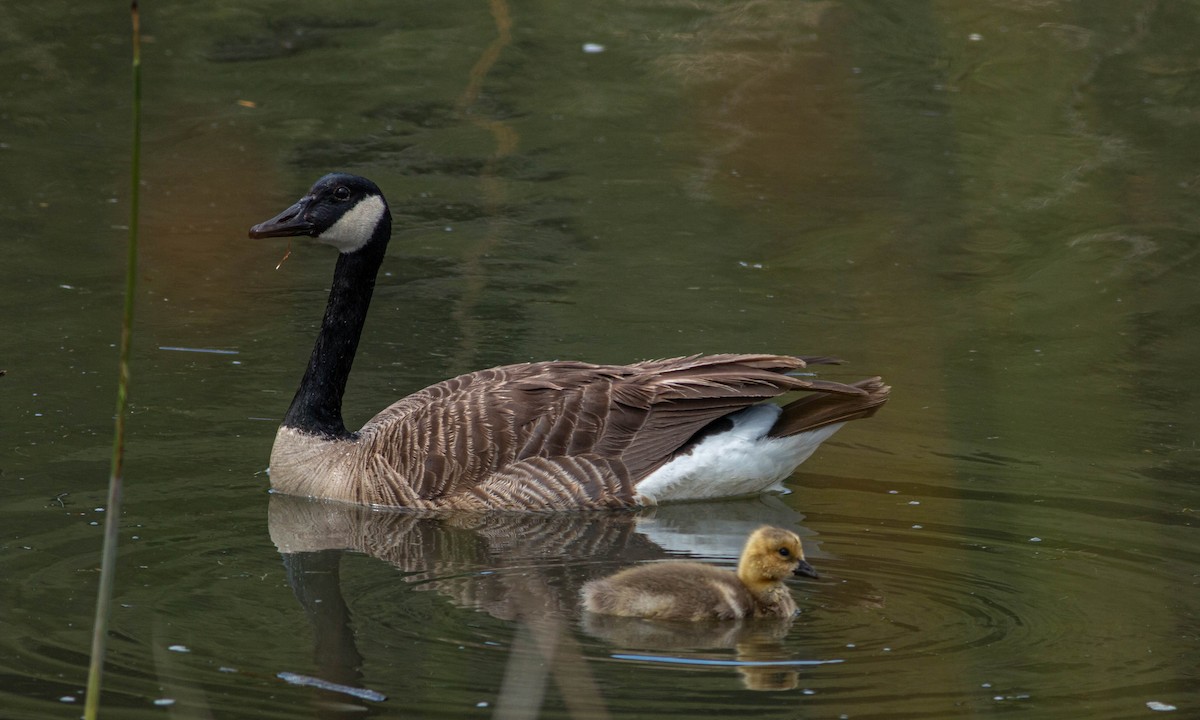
[[112, 516]]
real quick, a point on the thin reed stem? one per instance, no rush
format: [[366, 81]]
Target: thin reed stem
[[112, 515]]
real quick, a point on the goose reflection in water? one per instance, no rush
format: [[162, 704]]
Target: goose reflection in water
[[466, 557]]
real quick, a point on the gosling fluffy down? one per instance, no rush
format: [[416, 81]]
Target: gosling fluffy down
[[695, 591]]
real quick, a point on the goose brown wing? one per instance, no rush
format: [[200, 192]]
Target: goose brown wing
[[603, 427]]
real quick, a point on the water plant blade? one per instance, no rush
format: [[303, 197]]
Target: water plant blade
[[113, 506]]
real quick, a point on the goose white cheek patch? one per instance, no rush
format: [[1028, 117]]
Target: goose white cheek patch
[[356, 226]]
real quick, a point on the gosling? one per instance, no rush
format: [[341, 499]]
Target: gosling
[[695, 591]]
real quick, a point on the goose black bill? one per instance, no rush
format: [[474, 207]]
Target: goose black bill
[[289, 223]]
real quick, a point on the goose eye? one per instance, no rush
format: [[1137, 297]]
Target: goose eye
[[784, 552], [341, 193]]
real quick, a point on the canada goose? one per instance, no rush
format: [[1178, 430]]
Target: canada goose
[[535, 436], [695, 591]]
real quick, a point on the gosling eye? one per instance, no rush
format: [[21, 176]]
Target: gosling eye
[[784, 552], [341, 192]]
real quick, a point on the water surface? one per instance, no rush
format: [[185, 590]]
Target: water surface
[[993, 206]]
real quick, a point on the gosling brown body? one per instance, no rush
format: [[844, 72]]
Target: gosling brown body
[[695, 591]]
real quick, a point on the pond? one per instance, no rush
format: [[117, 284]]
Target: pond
[[995, 206]]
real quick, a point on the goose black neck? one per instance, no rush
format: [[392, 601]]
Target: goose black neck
[[317, 406]]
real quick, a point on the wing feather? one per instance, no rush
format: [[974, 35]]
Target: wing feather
[[570, 434]]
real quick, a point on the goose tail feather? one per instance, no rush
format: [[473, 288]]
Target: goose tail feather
[[818, 410]]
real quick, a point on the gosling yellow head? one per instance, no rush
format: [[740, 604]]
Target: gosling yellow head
[[772, 554]]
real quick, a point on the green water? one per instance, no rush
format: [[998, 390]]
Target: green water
[[995, 206]]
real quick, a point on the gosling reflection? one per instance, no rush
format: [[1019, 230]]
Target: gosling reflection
[[471, 560], [754, 640]]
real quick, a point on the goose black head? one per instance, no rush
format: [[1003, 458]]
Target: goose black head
[[345, 211]]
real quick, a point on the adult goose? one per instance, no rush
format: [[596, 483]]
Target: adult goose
[[535, 436]]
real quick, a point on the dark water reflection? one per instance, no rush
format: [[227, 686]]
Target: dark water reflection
[[896, 602], [994, 206]]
